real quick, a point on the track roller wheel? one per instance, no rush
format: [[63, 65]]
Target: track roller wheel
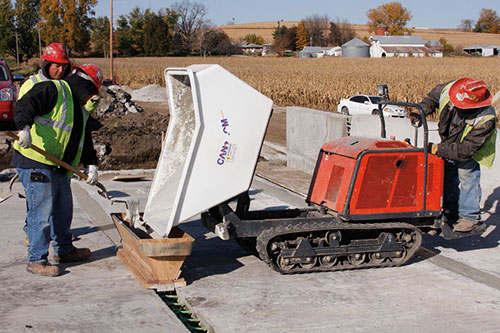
[[312, 262], [283, 263], [356, 259], [400, 258], [328, 261], [376, 258]]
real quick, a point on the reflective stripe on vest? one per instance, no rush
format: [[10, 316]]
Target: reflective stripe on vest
[[34, 79], [52, 131], [486, 155], [61, 123]]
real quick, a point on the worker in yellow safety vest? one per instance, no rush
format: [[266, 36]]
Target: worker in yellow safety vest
[[467, 127], [55, 66], [52, 115]]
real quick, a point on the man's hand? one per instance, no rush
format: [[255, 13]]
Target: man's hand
[[25, 137], [432, 148], [415, 119], [92, 175]]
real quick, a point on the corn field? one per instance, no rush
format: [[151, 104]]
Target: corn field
[[319, 83]]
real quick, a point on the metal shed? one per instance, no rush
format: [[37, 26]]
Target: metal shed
[[355, 48], [482, 50]]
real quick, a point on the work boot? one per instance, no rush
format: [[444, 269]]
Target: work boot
[[75, 255], [43, 268], [464, 225]]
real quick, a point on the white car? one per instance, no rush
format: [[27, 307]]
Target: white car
[[367, 104]]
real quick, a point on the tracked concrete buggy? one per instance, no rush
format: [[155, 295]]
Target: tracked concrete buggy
[[369, 200]]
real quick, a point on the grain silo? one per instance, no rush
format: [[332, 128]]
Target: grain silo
[[355, 48]]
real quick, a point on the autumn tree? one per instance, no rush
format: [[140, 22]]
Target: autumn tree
[[217, 42], [447, 48], [291, 36], [192, 21], [317, 29], [67, 22], [340, 32], [393, 15], [7, 42], [301, 36], [466, 25], [284, 39], [254, 39], [27, 17], [488, 21], [99, 35], [280, 41]]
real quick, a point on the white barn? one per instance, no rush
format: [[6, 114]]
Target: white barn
[[401, 46]]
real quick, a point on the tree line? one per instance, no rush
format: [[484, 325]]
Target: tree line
[[183, 29]]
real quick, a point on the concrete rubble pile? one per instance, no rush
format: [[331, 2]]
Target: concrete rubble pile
[[114, 100]]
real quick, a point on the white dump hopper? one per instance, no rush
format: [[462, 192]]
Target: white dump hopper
[[216, 129]]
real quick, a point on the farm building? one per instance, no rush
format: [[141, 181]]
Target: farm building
[[316, 51], [482, 50], [355, 48], [252, 48], [401, 46]]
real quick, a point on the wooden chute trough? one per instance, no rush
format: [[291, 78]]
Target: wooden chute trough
[[156, 263]]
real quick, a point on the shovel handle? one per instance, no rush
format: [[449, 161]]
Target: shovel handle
[[51, 157]]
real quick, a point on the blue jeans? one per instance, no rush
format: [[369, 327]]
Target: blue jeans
[[49, 212], [462, 190]]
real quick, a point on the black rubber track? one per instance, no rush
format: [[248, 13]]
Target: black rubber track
[[263, 243]]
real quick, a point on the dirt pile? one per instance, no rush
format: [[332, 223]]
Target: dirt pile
[[126, 136]]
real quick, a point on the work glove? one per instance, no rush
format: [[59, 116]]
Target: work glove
[[415, 119], [92, 103], [92, 175], [25, 137], [432, 148], [95, 99]]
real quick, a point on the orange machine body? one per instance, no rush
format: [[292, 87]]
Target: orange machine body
[[369, 179]]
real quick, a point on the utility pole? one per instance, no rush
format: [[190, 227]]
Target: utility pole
[[39, 41], [17, 51], [111, 40]]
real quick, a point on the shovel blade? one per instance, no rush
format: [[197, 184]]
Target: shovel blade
[[4, 195]]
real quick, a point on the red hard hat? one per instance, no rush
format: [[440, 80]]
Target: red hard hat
[[94, 73], [56, 52], [469, 93]]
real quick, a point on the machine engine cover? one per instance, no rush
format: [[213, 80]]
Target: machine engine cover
[[362, 178]]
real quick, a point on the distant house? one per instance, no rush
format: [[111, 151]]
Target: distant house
[[252, 48], [482, 50], [317, 51], [402, 46], [268, 49]]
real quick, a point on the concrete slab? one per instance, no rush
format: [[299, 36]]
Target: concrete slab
[[100, 295], [454, 286]]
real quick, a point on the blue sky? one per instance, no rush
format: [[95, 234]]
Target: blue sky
[[426, 13]]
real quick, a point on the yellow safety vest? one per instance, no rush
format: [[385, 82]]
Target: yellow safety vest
[[486, 155], [34, 79], [51, 132]]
